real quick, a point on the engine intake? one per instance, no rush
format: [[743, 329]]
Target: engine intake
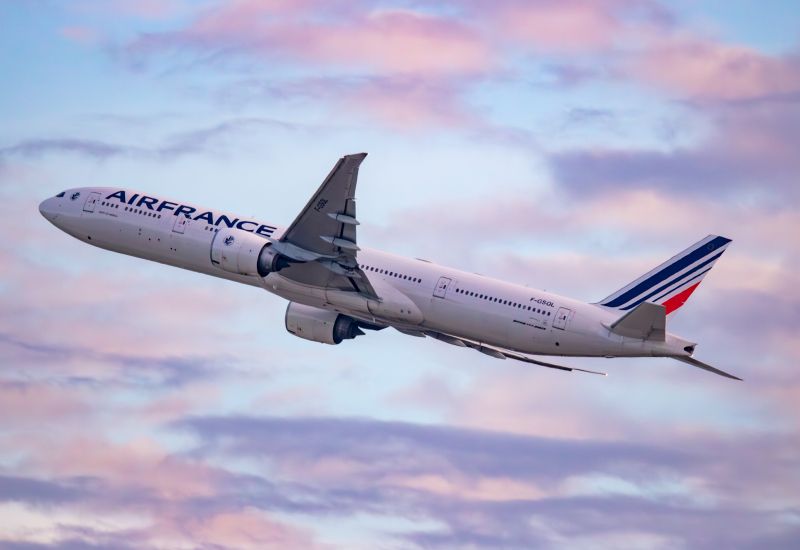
[[319, 325]]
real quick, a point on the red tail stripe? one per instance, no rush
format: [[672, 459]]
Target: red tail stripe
[[679, 299]]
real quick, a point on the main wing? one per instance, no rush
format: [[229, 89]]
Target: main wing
[[328, 223], [322, 239]]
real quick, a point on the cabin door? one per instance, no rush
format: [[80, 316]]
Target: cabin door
[[441, 287]]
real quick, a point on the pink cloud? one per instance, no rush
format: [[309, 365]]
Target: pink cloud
[[390, 41], [24, 404], [248, 529], [700, 67], [140, 463], [410, 103], [565, 25]]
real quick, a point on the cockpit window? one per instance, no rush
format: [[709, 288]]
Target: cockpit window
[[61, 194]]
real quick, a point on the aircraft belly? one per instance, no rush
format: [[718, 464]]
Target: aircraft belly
[[459, 320]]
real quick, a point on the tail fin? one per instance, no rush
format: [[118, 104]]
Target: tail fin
[[671, 283]]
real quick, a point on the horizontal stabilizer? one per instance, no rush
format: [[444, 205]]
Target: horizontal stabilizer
[[647, 321], [709, 368]]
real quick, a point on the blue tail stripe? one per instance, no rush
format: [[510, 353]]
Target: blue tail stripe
[[668, 272], [672, 282], [684, 283]]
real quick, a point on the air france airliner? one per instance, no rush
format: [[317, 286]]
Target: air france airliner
[[337, 289]]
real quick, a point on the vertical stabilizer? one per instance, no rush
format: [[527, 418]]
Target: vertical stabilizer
[[671, 283]]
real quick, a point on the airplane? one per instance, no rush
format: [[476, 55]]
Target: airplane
[[337, 289]]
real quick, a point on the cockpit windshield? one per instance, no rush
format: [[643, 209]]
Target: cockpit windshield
[[61, 194]]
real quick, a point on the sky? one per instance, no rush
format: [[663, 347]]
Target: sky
[[568, 145]]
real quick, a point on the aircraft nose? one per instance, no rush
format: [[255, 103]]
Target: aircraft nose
[[47, 208]]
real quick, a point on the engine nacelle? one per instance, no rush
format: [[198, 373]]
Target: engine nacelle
[[245, 253], [319, 325]]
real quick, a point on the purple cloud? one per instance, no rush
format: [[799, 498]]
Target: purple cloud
[[749, 154]]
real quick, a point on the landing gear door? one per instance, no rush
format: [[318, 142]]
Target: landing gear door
[[561, 318], [180, 224], [91, 202], [441, 287]]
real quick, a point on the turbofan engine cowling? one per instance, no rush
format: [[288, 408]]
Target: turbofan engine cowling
[[238, 251], [319, 325]]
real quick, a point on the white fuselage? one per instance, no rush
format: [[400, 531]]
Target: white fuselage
[[468, 306]]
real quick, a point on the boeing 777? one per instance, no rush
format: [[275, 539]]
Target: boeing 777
[[337, 289]]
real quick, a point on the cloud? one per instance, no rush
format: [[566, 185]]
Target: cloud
[[681, 489], [175, 146], [37, 147], [573, 26], [481, 488], [749, 154], [34, 490], [129, 388], [388, 42], [706, 69]]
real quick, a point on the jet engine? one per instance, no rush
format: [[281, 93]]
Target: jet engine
[[245, 253], [319, 325]]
